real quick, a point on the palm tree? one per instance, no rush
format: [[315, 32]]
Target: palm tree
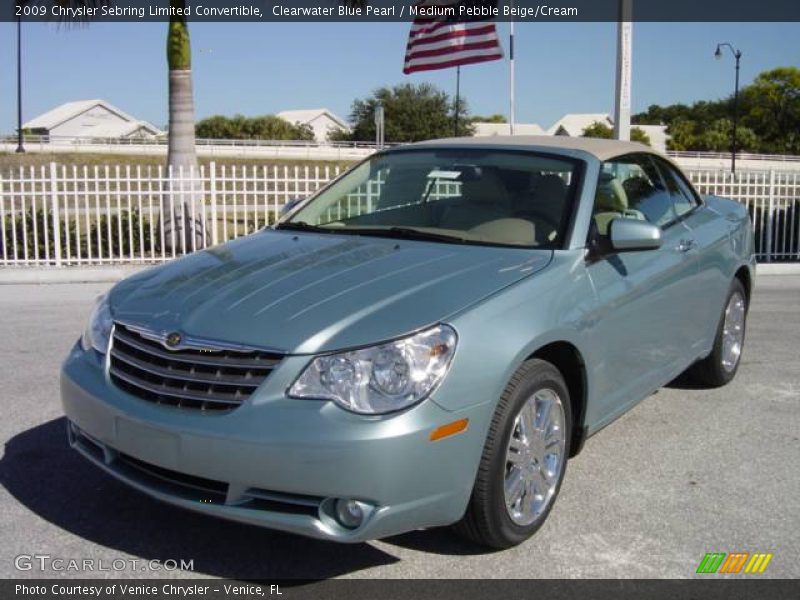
[[181, 151]]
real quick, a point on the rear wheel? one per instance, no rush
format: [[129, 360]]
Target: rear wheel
[[720, 367], [524, 459]]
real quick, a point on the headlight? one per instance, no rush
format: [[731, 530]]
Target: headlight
[[383, 378], [98, 330]]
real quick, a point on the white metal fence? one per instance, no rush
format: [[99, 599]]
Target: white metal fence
[[157, 146], [773, 200], [59, 215]]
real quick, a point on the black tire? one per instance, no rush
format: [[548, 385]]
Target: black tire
[[487, 521], [710, 371]]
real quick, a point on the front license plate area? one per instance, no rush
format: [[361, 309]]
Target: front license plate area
[[147, 443]]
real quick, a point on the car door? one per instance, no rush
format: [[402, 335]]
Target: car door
[[710, 243], [639, 330]]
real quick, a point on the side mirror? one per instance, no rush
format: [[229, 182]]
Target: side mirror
[[633, 234], [287, 208]]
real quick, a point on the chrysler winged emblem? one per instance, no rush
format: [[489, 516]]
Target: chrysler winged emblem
[[173, 339]]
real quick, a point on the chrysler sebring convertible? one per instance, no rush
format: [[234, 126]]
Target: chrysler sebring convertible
[[425, 341]]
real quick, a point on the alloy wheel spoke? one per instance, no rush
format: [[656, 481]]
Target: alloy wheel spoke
[[514, 487], [515, 458], [543, 407], [534, 456], [528, 417]]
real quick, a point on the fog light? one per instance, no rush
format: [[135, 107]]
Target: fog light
[[349, 513]]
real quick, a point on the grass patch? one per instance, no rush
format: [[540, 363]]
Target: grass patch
[[13, 161]]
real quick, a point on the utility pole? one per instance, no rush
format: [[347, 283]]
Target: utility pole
[[20, 137], [622, 104]]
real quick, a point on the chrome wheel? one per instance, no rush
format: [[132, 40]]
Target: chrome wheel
[[534, 457], [733, 332]]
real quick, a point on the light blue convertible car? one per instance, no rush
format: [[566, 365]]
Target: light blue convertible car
[[423, 342]]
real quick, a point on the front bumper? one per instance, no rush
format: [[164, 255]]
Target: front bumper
[[277, 462]]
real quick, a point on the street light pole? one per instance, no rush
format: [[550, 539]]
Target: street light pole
[[20, 146], [737, 54]]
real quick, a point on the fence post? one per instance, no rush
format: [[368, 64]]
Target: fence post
[[213, 186], [56, 213], [770, 214]]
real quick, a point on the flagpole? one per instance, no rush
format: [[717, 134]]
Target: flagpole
[[458, 93], [511, 82]]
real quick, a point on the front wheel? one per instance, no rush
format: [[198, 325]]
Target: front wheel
[[524, 459], [720, 367]]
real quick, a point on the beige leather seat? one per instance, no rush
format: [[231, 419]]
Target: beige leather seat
[[483, 199]]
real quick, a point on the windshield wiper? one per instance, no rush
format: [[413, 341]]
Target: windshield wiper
[[406, 233], [301, 226]]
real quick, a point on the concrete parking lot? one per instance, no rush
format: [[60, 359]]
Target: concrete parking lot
[[688, 471]]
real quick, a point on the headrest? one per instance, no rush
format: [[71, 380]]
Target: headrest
[[486, 189], [610, 196]]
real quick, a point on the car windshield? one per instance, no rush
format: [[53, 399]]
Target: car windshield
[[468, 196]]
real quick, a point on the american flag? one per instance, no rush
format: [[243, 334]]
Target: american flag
[[441, 42]]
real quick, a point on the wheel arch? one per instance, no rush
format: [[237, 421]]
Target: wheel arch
[[744, 276], [566, 357]]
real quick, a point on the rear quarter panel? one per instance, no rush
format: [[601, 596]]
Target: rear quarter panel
[[724, 235]]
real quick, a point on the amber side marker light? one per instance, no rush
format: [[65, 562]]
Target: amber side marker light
[[449, 429]]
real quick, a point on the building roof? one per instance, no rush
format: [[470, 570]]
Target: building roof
[[308, 115], [574, 124], [483, 129], [599, 148], [69, 110]]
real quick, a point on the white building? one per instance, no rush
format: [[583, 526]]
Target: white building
[[90, 119], [483, 129], [321, 120], [574, 125]]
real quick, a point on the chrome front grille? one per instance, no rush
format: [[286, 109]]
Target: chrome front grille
[[208, 379]]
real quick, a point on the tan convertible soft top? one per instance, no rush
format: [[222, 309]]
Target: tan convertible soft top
[[600, 148]]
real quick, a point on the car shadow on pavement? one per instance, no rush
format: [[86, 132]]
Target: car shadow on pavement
[[684, 381], [438, 541], [54, 482]]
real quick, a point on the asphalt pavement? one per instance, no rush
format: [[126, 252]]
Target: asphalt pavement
[[687, 471]]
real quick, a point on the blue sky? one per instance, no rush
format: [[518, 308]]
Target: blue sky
[[261, 68]]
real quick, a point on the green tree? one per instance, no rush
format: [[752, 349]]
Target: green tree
[[772, 108], [719, 135], [682, 134], [496, 118], [603, 131], [638, 135], [598, 130], [769, 110], [238, 127], [411, 112]]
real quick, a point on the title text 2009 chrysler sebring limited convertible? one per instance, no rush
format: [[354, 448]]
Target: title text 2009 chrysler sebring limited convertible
[[424, 342]]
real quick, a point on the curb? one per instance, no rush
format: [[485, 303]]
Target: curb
[[45, 275], [778, 269]]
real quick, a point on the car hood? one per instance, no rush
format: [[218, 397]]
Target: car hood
[[305, 292]]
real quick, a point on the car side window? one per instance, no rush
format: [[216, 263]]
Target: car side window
[[631, 187], [684, 199]]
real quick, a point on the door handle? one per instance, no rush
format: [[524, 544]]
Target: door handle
[[685, 245]]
